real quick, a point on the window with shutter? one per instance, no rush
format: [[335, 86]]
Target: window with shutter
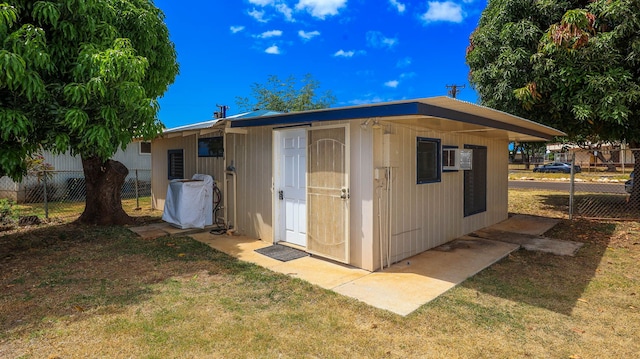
[[176, 164], [475, 182]]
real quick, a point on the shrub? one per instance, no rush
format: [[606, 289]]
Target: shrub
[[7, 215]]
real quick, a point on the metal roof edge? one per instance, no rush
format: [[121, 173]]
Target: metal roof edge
[[440, 106], [386, 109], [531, 122]]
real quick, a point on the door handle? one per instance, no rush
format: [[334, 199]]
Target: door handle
[[344, 193], [281, 195]]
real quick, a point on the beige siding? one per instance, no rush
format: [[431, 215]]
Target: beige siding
[[253, 161], [361, 233], [424, 216], [159, 164], [193, 164]]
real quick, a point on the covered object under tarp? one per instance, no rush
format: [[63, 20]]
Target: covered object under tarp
[[189, 203]]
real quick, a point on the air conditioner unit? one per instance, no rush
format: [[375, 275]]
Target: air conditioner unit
[[454, 159]]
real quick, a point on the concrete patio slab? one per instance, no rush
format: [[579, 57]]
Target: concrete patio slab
[[407, 285], [320, 272], [401, 288], [239, 247], [532, 242], [525, 224]]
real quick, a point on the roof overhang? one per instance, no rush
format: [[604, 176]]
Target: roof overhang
[[216, 125], [437, 113]]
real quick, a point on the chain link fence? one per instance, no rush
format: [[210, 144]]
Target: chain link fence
[[61, 194], [602, 184]]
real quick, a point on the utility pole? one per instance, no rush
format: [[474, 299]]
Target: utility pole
[[454, 90]]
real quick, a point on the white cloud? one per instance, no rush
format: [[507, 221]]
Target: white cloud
[[286, 11], [443, 11], [268, 34], [368, 99], [258, 15], [392, 83], [342, 53], [308, 35], [273, 50], [321, 8], [404, 62], [398, 5], [407, 75], [376, 39], [261, 2], [236, 29]]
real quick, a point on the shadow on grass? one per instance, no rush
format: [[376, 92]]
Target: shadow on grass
[[65, 270], [614, 206], [545, 280]]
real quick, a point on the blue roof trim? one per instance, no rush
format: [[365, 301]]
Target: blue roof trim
[[400, 109], [382, 110]]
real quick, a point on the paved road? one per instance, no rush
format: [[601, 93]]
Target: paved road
[[564, 186]]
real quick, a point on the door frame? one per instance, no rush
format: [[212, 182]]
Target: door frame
[[277, 178]]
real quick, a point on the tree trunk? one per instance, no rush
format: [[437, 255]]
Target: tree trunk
[[611, 167], [104, 182]]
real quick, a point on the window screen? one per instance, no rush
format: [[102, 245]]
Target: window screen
[[145, 148], [428, 160], [176, 164], [475, 182]]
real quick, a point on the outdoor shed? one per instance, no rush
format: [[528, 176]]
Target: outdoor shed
[[364, 185]]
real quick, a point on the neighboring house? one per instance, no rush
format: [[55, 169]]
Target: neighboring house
[[365, 185], [67, 169], [618, 153]]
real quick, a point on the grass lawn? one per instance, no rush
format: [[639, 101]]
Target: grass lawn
[[68, 211], [600, 176], [84, 292]]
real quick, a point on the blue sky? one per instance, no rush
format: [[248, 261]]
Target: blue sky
[[363, 51]]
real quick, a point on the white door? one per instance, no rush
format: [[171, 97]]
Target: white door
[[291, 194]]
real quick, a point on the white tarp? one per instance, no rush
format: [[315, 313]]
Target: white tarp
[[189, 203]]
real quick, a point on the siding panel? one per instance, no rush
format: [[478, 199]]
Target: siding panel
[[427, 215]]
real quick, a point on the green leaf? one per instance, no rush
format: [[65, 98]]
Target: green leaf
[[76, 120], [46, 13]]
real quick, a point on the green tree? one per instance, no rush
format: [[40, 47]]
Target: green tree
[[82, 76], [285, 96], [528, 151], [574, 65]]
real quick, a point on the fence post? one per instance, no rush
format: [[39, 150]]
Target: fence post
[[137, 194], [572, 184], [44, 192]]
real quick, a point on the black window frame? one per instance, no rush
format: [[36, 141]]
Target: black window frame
[[173, 169], [437, 155], [211, 146], [144, 144]]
